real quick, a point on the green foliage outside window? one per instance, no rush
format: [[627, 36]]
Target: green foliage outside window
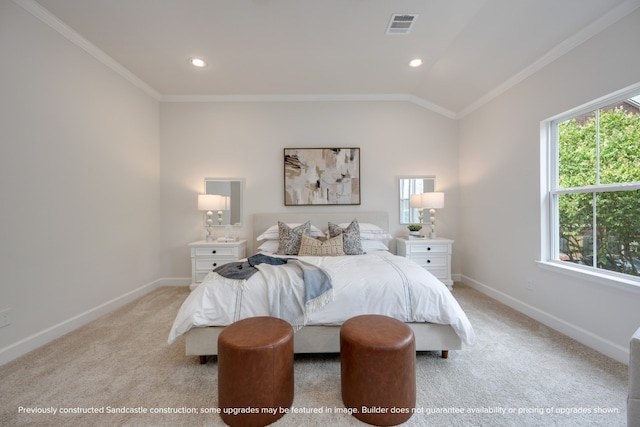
[[597, 151]]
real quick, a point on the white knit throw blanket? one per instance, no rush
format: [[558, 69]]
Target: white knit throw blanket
[[296, 290]]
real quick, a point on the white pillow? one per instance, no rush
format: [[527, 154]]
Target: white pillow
[[369, 231], [272, 233], [367, 235], [365, 226], [269, 246], [373, 245]]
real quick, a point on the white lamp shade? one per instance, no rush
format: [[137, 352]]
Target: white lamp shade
[[416, 201], [433, 200], [210, 202]]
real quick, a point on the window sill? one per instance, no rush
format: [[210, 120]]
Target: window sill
[[622, 282]]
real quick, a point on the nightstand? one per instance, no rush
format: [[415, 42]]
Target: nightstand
[[206, 256], [432, 254]]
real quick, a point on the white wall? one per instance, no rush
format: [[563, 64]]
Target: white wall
[[79, 184], [500, 191], [246, 140]]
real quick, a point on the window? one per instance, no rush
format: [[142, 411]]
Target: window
[[594, 186]]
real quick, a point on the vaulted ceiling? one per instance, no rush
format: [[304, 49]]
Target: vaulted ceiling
[[330, 49]]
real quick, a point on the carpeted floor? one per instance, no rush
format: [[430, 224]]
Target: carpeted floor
[[519, 373]]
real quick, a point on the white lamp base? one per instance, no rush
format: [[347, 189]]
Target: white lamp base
[[433, 223]]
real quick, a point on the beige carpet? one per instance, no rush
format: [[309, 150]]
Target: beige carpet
[[520, 373]]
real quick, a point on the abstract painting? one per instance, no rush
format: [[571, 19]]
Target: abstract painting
[[321, 176]]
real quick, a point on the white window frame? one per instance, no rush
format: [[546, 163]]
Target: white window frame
[[549, 194]]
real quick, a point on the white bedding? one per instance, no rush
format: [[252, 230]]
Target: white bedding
[[376, 283]]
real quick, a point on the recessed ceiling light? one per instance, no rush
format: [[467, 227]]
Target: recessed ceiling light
[[197, 62], [415, 62]]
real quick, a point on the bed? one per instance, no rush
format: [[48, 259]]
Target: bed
[[425, 303]]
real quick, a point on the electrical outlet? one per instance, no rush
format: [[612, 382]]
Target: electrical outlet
[[4, 318], [529, 284]]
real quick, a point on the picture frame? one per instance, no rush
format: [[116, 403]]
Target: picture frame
[[321, 176]]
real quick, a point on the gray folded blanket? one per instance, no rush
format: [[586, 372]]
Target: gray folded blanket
[[243, 270]]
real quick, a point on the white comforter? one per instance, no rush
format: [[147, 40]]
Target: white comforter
[[376, 283]]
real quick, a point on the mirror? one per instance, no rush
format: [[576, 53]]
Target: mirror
[[409, 186], [232, 189]]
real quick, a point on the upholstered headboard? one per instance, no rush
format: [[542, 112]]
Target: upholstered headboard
[[262, 221]]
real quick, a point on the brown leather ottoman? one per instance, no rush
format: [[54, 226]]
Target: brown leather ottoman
[[255, 371], [378, 369]]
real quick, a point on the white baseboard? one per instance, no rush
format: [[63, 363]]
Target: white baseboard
[[174, 281], [41, 338], [598, 343]]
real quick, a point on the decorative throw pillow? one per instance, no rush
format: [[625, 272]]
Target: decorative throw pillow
[[272, 233], [314, 247], [351, 237], [289, 238]]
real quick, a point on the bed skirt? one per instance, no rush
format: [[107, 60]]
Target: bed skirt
[[203, 341]]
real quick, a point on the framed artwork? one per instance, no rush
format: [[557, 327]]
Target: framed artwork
[[321, 176]]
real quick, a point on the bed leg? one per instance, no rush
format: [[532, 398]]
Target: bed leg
[[203, 359], [445, 354]]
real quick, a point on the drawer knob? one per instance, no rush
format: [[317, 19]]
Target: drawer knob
[[214, 264], [428, 261], [213, 251], [428, 248]]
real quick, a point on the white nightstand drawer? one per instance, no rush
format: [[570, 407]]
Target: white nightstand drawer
[[429, 248], [200, 275], [217, 251], [210, 263], [440, 273], [431, 260]]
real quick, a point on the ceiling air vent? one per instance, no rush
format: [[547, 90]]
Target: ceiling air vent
[[400, 24]]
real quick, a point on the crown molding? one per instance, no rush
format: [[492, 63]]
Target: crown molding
[[433, 107], [393, 97], [285, 98], [52, 21]]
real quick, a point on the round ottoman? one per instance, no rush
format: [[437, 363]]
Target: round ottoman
[[378, 369], [255, 371]]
